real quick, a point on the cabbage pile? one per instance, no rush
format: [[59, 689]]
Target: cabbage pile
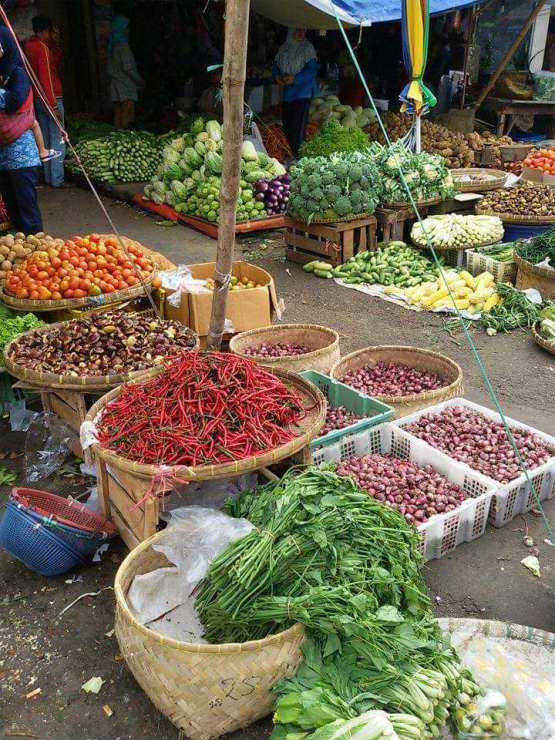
[[426, 174], [188, 178], [322, 109], [338, 186]]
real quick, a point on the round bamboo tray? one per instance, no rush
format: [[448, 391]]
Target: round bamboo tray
[[205, 690], [532, 276], [541, 341], [108, 299], [313, 401], [323, 342], [459, 247], [418, 203], [344, 219], [68, 383], [496, 181], [421, 359], [510, 219]]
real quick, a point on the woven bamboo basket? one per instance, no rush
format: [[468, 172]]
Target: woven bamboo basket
[[538, 339], [344, 219], [458, 247], [516, 219], [421, 359], [205, 690], [65, 382], [532, 276], [323, 342], [498, 178], [418, 203], [313, 401]]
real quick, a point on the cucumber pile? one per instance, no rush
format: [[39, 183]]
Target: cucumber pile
[[393, 263], [122, 156]]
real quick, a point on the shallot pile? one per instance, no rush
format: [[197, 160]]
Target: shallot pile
[[393, 379], [417, 493], [480, 442], [279, 349], [338, 418], [273, 193]]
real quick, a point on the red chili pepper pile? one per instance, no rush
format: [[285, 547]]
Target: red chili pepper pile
[[204, 408]]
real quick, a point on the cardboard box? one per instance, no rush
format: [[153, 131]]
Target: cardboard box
[[532, 174], [246, 309]]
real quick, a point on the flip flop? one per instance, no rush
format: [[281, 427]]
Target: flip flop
[[52, 154]]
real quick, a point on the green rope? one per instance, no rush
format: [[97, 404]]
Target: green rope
[[442, 273]]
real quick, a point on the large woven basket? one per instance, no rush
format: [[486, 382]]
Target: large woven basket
[[418, 203], [323, 342], [205, 690], [421, 359], [516, 219], [341, 219], [498, 178], [532, 276], [66, 382], [538, 339], [313, 400]]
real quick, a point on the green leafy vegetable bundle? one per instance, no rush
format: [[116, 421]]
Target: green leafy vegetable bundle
[[547, 323], [426, 174], [12, 324], [122, 156], [327, 555], [328, 188], [333, 137]]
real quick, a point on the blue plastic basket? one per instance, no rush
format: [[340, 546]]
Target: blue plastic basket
[[86, 543], [34, 545], [512, 232]]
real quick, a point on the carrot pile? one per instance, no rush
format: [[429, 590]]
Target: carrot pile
[[204, 408], [275, 142]]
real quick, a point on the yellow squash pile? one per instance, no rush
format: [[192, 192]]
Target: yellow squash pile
[[471, 294]]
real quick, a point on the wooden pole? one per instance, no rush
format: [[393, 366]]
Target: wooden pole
[[469, 42], [234, 71], [509, 55]]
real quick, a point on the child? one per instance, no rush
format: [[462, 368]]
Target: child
[[45, 154]]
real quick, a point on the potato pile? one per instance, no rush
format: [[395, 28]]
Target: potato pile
[[15, 249], [457, 149]]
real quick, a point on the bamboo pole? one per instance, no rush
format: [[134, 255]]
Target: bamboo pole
[[509, 55], [233, 79], [469, 42]]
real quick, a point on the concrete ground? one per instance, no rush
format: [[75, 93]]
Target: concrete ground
[[482, 579]]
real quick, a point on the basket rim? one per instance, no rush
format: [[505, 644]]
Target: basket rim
[[531, 267], [81, 383], [338, 220], [425, 395], [188, 647], [541, 341], [497, 181], [458, 248], [287, 358], [234, 467], [510, 219], [496, 628], [38, 306], [408, 204]]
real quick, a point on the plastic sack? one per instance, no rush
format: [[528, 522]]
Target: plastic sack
[[209, 494], [46, 446], [164, 599], [482, 717], [21, 417]]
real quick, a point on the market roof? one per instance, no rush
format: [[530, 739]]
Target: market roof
[[320, 14]]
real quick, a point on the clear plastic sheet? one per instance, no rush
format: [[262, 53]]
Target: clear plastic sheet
[[483, 717], [164, 598], [210, 494], [181, 280], [46, 446]]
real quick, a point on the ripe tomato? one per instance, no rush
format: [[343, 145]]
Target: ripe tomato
[[74, 283], [68, 293], [92, 265], [51, 272], [132, 280], [44, 294], [34, 295], [85, 285], [56, 262], [78, 293], [74, 261], [22, 293], [56, 295], [64, 285], [42, 275]]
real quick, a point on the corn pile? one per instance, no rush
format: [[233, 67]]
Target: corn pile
[[471, 294]]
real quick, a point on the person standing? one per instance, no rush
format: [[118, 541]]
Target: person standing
[[125, 81], [295, 68], [19, 155], [44, 53]]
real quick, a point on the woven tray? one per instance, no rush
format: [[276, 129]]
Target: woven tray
[[26, 304], [345, 219], [544, 343], [313, 400], [509, 219], [422, 359], [459, 248], [418, 203], [497, 181], [66, 382]]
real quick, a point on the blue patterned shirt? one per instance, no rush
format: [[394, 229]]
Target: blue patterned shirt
[[22, 152]]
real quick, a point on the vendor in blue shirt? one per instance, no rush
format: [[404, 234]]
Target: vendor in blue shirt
[[295, 68]]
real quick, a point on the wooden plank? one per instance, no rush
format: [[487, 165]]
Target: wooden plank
[[363, 240], [65, 412], [126, 534], [348, 245], [314, 247], [136, 487], [103, 485], [151, 517], [122, 500]]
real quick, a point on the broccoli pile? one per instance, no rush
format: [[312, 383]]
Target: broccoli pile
[[328, 188], [333, 137]]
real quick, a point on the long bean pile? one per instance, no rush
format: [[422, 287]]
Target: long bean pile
[[326, 554], [516, 312], [204, 408], [538, 248]]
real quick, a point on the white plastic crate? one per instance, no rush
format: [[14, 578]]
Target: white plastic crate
[[510, 499], [442, 533]]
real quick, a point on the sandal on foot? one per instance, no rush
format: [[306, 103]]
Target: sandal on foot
[[52, 154]]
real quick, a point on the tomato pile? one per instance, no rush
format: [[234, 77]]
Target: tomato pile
[[83, 266], [542, 159]]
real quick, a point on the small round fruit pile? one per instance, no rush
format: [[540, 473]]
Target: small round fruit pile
[[82, 266], [542, 159], [236, 283]]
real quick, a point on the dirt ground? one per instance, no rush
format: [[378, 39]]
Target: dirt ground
[[484, 579]]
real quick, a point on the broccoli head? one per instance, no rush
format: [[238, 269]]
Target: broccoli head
[[330, 214], [343, 206], [355, 196], [317, 194], [314, 181], [306, 191], [333, 193], [355, 173], [328, 177], [341, 172], [312, 206]]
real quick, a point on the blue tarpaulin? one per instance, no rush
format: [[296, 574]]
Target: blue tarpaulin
[[320, 13]]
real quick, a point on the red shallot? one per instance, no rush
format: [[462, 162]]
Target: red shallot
[[418, 493], [482, 443], [393, 379], [279, 349], [338, 418]]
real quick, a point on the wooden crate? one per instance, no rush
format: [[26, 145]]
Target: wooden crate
[[71, 407], [394, 224], [333, 243]]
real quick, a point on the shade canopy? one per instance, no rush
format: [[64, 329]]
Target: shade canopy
[[319, 14]]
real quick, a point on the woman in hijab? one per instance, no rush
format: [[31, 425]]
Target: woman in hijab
[[122, 71], [19, 155], [295, 68]]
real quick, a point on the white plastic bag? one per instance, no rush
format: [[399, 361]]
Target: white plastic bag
[[211, 494]]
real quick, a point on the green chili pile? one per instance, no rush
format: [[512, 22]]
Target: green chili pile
[[516, 312], [538, 248], [204, 408]]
